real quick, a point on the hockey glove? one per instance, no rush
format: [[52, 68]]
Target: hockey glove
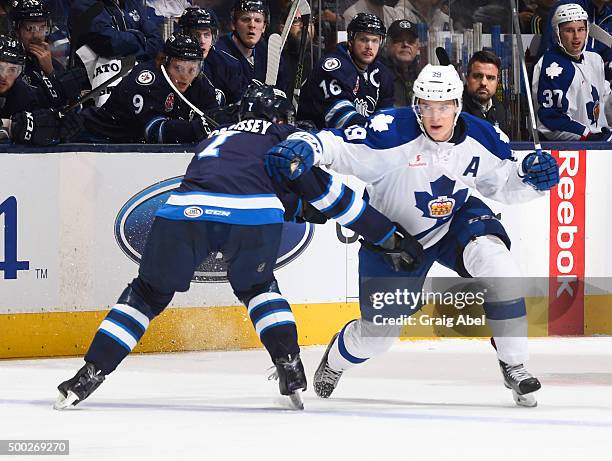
[[605, 135], [71, 124], [71, 82], [310, 214], [201, 128], [290, 158], [402, 251], [540, 171], [39, 128]]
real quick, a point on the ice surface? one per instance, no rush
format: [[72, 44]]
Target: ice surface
[[424, 400]]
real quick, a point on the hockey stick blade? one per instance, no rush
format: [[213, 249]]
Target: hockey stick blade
[[210, 121], [600, 35], [442, 56], [82, 26], [275, 49], [304, 8], [127, 64]]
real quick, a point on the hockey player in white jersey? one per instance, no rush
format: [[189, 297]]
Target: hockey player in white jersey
[[569, 84], [421, 165]]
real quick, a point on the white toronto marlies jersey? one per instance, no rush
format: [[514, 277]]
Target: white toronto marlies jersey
[[415, 181], [570, 96]]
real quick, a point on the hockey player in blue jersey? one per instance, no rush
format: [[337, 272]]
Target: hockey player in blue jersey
[[227, 203], [349, 84], [143, 107], [250, 19], [569, 85], [222, 70], [421, 165]]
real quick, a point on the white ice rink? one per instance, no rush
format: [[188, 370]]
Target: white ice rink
[[425, 400]]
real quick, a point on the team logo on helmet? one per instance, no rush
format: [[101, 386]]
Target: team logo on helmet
[[169, 104], [405, 25], [441, 207], [146, 77], [331, 64], [134, 15]]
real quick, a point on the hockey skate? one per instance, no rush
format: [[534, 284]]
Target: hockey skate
[[79, 387], [291, 379], [326, 378], [522, 383]]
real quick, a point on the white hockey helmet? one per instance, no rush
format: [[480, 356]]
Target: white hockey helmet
[[437, 83], [568, 13]]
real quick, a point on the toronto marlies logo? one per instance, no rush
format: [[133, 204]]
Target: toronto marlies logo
[[441, 203]]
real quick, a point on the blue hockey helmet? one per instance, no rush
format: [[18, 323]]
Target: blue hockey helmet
[[267, 102]]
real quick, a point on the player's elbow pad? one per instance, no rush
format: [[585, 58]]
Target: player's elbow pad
[[342, 114]]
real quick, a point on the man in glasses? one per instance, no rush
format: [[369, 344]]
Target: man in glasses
[[349, 84], [421, 166], [401, 57]]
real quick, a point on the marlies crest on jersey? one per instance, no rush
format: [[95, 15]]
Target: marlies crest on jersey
[[441, 203]]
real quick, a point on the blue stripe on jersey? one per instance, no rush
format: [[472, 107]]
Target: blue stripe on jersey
[[486, 135], [342, 106], [505, 310], [127, 322], [248, 217], [219, 194], [113, 337], [386, 236], [403, 128], [342, 348]]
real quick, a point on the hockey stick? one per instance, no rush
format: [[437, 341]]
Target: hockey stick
[[275, 48], [442, 56], [81, 27], [519, 42], [127, 64], [297, 84], [600, 35], [209, 120]]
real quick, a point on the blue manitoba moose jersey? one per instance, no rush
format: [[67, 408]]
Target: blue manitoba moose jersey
[[337, 94], [226, 180]]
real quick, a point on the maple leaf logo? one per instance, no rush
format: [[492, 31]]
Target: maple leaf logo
[[441, 203], [381, 122], [554, 70]]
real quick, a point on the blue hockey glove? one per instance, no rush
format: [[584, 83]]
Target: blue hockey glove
[[402, 251], [540, 171], [290, 159]]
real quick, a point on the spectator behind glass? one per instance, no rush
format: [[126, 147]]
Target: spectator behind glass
[[122, 29], [533, 15], [32, 24], [400, 56], [479, 97], [375, 7], [570, 91], [291, 52], [429, 12]]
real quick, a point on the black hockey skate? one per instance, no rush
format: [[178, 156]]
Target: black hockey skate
[[522, 383], [79, 387], [326, 378], [291, 379]]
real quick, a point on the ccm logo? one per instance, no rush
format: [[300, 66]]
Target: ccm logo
[[29, 126], [567, 223], [217, 212]]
